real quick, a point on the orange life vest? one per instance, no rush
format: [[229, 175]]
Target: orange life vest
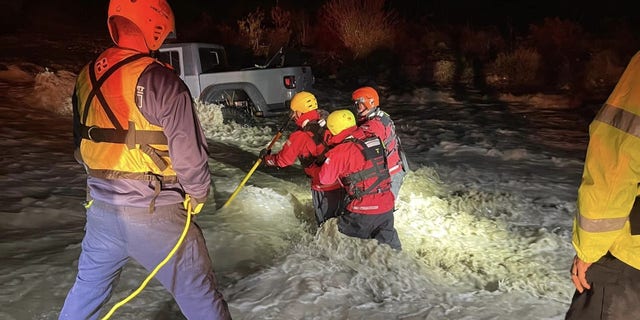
[[118, 142]]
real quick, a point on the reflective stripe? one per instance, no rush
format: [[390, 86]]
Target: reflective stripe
[[601, 225], [620, 119], [365, 207], [326, 186], [395, 168]]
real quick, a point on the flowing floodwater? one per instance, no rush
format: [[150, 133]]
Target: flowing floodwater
[[484, 216]]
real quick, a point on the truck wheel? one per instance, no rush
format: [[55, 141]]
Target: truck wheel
[[241, 116]]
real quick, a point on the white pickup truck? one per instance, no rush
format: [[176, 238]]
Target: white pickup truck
[[260, 91]]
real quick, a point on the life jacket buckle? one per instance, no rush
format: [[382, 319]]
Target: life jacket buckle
[[89, 132]]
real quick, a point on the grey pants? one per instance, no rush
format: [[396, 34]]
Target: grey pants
[[116, 233], [614, 293]]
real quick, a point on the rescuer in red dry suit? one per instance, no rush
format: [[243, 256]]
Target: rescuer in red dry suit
[[372, 120], [308, 144], [360, 166]]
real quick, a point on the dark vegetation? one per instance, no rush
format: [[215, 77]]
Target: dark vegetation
[[516, 47]]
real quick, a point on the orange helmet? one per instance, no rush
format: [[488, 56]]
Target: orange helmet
[[367, 96], [154, 18]]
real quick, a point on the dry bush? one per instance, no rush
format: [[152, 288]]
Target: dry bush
[[280, 34], [518, 68], [362, 25], [448, 72], [281, 19], [266, 36], [443, 72], [252, 28]]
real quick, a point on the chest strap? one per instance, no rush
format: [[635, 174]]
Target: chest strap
[[131, 138], [373, 152]]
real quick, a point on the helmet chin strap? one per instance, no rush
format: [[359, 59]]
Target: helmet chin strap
[[366, 112]]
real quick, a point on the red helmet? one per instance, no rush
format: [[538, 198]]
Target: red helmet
[[367, 96], [154, 19]]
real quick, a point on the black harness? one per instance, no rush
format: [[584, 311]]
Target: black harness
[[373, 151], [317, 130], [130, 137]]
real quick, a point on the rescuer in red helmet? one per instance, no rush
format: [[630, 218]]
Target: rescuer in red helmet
[[140, 141], [372, 120]]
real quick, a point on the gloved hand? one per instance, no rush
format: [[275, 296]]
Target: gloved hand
[[192, 203], [320, 159], [264, 152]]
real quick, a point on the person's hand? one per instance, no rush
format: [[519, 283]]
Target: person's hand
[[265, 155], [320, 159], [264, 152], [193, 204], [579, 274]]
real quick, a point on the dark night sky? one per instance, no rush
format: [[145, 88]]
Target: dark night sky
[[91, 14]]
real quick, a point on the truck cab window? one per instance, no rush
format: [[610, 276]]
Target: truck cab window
[[209, 60], [172, 58]]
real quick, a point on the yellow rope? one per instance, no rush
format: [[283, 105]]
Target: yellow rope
[[157, 268], [239, 187], [255, 165]]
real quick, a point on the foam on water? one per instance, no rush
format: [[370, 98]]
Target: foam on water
[[484, 218]]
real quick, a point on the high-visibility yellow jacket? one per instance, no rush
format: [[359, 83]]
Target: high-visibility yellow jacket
[[117, 140], [605, 221]]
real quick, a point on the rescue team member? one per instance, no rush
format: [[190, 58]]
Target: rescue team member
[[360, 166], [606, 229], [136, 133], [372, 120], [308, 144]]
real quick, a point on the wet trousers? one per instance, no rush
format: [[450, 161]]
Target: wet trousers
[[328, 204], [116, 233], [614, 293], [370, 226]]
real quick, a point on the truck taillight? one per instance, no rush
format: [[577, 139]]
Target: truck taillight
[[289, 82]]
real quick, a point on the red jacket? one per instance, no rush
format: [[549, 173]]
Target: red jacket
[[301, 145], [346, 159], [380, 124]]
